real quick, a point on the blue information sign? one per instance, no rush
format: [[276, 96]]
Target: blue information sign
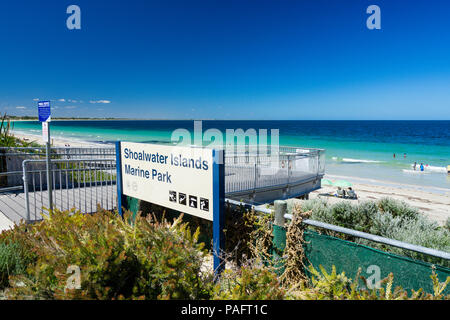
[[44, 111]]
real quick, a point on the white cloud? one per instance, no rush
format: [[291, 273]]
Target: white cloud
[[62, 100], [21, 107], [70, 107], [36, 99], [99, 101]]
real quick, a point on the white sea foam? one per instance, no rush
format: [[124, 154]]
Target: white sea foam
[[432, 168], [360, 160], [415, 171]]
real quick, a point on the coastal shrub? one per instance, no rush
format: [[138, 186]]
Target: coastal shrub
[[7, 139], [422, 232], [250, 282], [257, 282], [149, 259], [11, 262], [397, 208], [334, 286], [117, 259]]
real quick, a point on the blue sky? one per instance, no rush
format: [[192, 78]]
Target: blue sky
[[227, 59]]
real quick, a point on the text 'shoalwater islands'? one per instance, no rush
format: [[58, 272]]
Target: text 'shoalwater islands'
[[172, 160]]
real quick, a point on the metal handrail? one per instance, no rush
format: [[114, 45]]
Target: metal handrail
[[355, 233], [52, 161], [374, 238]]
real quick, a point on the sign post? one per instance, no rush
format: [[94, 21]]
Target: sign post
[[119, 182], [185, 179], [218, 210], [45, 117]]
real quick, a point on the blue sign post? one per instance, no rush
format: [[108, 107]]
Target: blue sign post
[[44, 113], [119, 181], [218, 210]]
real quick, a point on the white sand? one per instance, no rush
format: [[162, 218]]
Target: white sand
[[57, 142]]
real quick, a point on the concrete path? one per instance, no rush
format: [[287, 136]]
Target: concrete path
[[85, 199]]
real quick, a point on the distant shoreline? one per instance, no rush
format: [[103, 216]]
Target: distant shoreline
[[166, 119], [56, 142]]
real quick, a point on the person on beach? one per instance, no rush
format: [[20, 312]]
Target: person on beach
[[394, 155], [421, 167], [415, 165], [351, 193]]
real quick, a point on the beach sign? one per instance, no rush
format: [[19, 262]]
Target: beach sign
[[186, 179], [44, 114], [45, 135], [44, 111]]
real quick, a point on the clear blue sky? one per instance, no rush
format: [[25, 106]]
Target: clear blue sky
[[227, 59]]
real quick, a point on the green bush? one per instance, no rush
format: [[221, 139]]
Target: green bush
[[117, 259], [7, 139], [257, 282], [334, 286], [150, 259], [249, 283], [397, 208], [11, 262]]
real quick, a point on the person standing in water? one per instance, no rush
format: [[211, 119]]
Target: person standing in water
[[421, 167], [415, 165]]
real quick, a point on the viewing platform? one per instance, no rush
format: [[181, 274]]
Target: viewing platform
[[85, 177]]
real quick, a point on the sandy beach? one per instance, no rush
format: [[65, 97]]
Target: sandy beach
[[432, 201], [56, 142]]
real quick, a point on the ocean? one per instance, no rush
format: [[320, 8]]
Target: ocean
[[363, 149]]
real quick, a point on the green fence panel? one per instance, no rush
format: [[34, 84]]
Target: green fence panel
[[132, 204], [279, 243], [349, 256]]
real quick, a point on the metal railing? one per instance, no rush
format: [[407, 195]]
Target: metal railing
[[76, 183], [11, 159], [351, 232], [247, 169], [60, 152], [255, 168]]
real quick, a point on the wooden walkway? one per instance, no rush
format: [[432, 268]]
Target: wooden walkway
[[85, 199]]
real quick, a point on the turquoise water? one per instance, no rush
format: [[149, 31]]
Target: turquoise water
[[353, 148]]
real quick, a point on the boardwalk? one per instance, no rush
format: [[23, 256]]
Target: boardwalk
[[13, 205]]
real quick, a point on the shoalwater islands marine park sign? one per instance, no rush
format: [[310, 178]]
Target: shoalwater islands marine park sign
[[180, 178], [186, 179]]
